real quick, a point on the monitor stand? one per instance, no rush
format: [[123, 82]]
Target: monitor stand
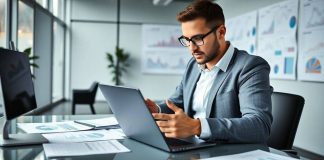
[[19, 139]]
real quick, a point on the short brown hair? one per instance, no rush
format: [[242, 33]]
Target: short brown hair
[[206, 9]]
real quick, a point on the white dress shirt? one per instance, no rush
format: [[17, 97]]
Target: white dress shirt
[[203, 86]]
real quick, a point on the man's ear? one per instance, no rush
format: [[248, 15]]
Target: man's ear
[[222, 31]]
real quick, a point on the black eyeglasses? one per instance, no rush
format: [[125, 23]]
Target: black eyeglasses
[[198, 40]]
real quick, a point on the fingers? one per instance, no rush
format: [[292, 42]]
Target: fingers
[[173, 107], [151, 106], [167, 130], [148, 101], [165, 123], [171, 135], [162, 116]]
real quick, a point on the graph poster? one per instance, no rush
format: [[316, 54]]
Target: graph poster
[[162, 52], [241, 31], [311, 41], [277, 41]]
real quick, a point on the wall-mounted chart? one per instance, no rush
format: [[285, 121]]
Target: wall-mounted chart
[[311, 41], [241, 36], [277, 41], [162, 52]]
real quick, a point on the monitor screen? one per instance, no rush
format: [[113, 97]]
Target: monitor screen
[[16, 82]]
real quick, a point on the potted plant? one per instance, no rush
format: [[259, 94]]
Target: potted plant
[[118, 64], [31, 58]]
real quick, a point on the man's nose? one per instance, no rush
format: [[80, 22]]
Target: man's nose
[[192, 46]]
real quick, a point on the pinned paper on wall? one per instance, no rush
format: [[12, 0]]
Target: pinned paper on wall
[[162, 52], [241, 31], [277, 40], [311, 42]]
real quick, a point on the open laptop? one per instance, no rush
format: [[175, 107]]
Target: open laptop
[[137, 122]]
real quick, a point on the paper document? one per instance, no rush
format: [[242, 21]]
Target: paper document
[[252, 155], [82, 136], [101, 122], [118, 132], [52, 127], [84, 148]]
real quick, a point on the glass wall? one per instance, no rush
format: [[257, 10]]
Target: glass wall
[[28, 16], [58, 8], [42, 3], [58, 62], [2, 39], [3, 23], [25, 26]]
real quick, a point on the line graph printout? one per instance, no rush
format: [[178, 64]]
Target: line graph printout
[[241, 31], [277, 41], [161, 50], [311, 41]]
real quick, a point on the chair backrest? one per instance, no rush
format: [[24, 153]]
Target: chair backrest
[[93, 90], [286, 112]]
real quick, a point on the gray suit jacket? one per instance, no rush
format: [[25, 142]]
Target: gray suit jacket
[[239, 104]]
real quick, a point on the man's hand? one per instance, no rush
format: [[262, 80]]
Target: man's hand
[[151, 106], [177, 125]]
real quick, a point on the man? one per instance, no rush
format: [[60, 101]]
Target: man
[[225, 93]]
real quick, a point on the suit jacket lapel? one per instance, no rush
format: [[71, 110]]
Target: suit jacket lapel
[[191, 86], [220, 77]]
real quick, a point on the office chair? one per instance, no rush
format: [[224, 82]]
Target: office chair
[[86, 96], [286, 112]]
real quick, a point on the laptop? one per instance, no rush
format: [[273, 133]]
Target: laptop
[[137, 122]]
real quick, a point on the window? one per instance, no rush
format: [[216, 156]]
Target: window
[[25, 26], [3, 23], [58, 62], [42, 3], [2, 40], [58, 8]]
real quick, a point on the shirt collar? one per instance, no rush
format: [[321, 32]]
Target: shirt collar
[[223, 63]]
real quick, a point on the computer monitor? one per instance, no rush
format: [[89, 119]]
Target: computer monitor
[[17, 85], [18, 95]]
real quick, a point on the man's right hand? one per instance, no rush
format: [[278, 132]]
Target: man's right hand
[[151, 106]]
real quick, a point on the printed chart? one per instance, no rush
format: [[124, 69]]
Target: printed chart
[[277, 41], [162, 52], [311, 41], [242, 36]]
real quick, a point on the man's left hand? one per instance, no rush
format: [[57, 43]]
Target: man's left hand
[[177, 125]]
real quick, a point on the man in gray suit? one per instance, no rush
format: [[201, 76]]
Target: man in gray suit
[[225, 93]]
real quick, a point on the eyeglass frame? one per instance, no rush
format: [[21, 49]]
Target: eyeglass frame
[[200, 36]]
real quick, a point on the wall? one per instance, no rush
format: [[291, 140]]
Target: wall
[[93, 33], [92, 39], [310, 133]]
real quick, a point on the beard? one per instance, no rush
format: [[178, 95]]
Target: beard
[[203, 58]]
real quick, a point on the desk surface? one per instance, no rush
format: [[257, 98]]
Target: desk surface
[[138, 150]]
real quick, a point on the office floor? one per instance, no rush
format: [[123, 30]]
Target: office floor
[[65, 108]]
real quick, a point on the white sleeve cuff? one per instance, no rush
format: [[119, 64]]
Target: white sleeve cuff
[[205, 129]]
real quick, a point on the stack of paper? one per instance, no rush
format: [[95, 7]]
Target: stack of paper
[[83, 142], [68, 126], [85, 148], [52, 127], [109, 122], [83, 136]]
